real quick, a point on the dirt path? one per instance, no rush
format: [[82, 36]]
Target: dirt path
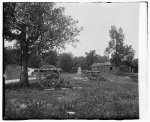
[[17, 80]]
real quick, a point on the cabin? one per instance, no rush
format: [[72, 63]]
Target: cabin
[[107, 67]]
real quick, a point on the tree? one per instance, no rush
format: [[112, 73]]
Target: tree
[[79, 62], [91, 57], [39, 27], [66, 62], [119, 52], [135, 64], [34, 61], [50, 58], [101, 59], [12, 56], [8, 20]]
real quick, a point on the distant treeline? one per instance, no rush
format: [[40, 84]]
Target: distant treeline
[[66, 61]]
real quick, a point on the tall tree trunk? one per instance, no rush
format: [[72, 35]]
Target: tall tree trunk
[[24, 59], [24, 70]]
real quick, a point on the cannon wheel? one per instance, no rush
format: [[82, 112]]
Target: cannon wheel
[[48, 76]]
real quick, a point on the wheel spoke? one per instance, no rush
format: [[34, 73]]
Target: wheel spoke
[[47, 83], [43, 81]]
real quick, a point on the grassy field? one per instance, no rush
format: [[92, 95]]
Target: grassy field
[[82, 99]]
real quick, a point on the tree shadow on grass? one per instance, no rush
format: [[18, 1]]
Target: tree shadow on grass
[[17, 86]]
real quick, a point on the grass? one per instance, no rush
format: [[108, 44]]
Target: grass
[[13, 71], [95, 100]]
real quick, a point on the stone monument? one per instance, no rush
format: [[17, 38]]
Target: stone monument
[[79, 70]]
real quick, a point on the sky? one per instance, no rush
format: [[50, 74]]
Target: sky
[[96, 20]]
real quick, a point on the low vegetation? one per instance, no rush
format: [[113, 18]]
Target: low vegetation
[[12, 71], [77, 98]]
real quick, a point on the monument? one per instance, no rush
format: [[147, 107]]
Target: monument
[[79, 70]]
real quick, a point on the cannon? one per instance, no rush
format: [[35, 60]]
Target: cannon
[[48, 76]]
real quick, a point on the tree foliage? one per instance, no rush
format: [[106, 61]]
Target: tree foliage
[[11, 56], [116, 47], [46, 26], [50, 58], [91, 57], [135, 64], [79, 62], [66, 62], [8, 20], [101, 59], [35, 61]]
